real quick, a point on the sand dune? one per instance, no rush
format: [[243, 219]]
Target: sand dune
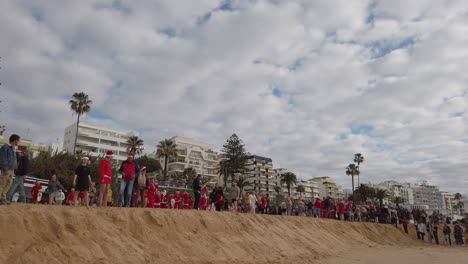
[[52, 234]]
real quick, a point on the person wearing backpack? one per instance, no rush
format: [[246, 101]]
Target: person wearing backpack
[[141, 186]]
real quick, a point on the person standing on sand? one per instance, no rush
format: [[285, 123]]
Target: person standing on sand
[[82, 180], [142, 184], [20, 173], [60, 197], [129, 170], [458, 234], [8, 165], [235, 195], [341, 209], [35, 192], [405, 225], [253, 202], [447, 232], [105, 178], [197, 187], [317, 207], [421, 230]]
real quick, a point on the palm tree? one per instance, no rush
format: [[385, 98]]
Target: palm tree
[[459, 205], [358, 158], [135, 145], [352, 170], [398, 200], [79, 105], [189, 175], [243, 182], [381, 194], [168, 150], [300, 189], [458, 196], [289, 179]]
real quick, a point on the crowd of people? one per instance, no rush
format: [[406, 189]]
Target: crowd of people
[[139, 190]]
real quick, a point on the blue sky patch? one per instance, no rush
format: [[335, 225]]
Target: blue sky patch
[[98, 115], [168, 32], [457, 114], [37, 15], [362, 129], [380, 49], [276, 91]]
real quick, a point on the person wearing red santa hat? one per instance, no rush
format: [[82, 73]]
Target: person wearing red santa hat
[[105, 178], [152, 188], [186, 197], [142, 185], [203, 202], [178, 198], [129, 170], [164, 200], [157, 199], [35, 191]]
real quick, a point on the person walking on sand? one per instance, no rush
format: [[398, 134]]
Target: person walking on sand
[[53, 187], [129, 170], [197, 187], [235, 195], [105, 178], [421, 230], [20, 174], [82, 180], [8, 165], [405, 224]]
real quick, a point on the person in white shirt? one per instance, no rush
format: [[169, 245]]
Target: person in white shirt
[[422, 230], [60, 197], [253, 202]]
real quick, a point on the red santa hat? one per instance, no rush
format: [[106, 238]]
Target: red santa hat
[[109, 153], [130, 155], [142, 168]]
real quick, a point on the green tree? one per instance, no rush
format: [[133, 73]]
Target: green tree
[[300, 189], [79, 105], [167, 149], [358, 159], [235, 158], [381, 194], [189, 175], [135, 145], [353, 171], [152, 165], [364, 192], [242, 183], [289, 179], [398, 200]]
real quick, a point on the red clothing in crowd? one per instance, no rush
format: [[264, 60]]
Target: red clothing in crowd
[[71, 198], [186, 197], [151, 194], [177, 198], [105, 172], [203, 202], [318, 204], [157, 200], [341, 208], [405, 223], [35, 191], [191, 202], [129, 169], [204, 189], [164, 201], [332, 209], [262, 203]]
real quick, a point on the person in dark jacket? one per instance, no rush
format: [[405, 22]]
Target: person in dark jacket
[[197, 186], [20, 174], [8, 165]]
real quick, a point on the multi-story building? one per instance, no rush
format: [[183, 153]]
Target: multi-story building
[[430, 195], [196, 155], [397, 189], [261, 175], [448, 202], [312, 190], [328, 187], [95, 141]]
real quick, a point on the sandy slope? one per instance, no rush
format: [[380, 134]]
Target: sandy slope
[[51, 234]]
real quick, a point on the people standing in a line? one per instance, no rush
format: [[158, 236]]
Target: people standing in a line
[[20, 174], [82, 180], [197, 187], [105, 178], [435, 232], [152, 189], [142, 186], [447, 232], [53, 188], [235, 195], [8, 165], [60, 197], [317, 207], [129, 170], [341, 209], [35, 192], [289, 203]]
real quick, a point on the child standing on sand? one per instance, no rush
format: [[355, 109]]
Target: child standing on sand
[[60, 197]]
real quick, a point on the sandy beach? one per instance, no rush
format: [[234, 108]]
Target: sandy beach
[[52, 234]]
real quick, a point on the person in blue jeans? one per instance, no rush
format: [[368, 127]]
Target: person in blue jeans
[[20, 173], [129, 170]]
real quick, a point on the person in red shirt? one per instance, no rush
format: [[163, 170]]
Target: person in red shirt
[[35, 191], [405, 225], [191, 202], [324, 210], [349, 211], [178, 198], [204, 189], [186, 197], [262, 203], [203, 202], [152, 189], [157, 199], [268, 204], [317, 207], [341, 209], [129, 170], [71, 197], [105, 178], [332, 209]]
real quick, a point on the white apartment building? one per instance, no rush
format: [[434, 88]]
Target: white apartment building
[[426, 194], [261, 175], [196, 155], [312, 190], [95, 141], [397, 189], [328, 187], [415, 195], [448, 202]]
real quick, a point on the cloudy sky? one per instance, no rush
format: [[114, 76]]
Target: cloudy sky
[[307, 83]]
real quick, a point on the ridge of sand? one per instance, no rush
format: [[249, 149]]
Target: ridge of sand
[[53, 234]]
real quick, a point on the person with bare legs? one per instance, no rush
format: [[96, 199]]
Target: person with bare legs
[[82, 181], [105, 178]]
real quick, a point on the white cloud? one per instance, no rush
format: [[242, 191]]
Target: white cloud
[[179, 67]]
